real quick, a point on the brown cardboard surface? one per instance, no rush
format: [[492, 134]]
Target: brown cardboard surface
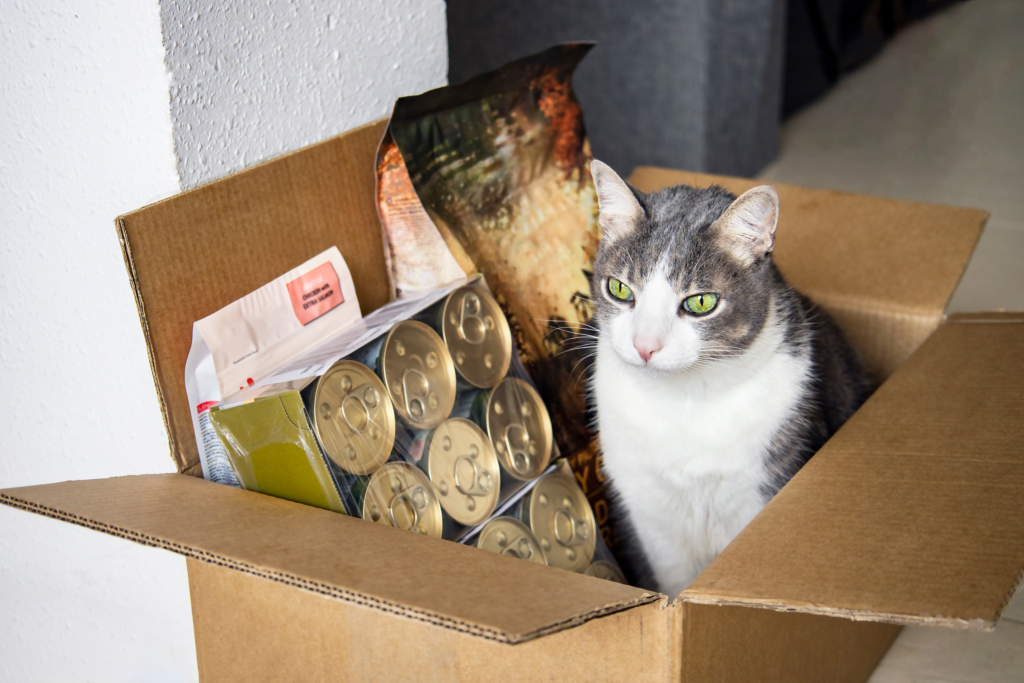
[[250, 629], [384, 569], [723, 643], [192, 254], [883, 268], [911, 514]]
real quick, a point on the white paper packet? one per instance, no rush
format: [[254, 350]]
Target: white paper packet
[[241, 345]]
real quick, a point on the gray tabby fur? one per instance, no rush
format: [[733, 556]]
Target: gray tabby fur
[[677, 233]]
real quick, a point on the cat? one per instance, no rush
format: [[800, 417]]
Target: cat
[[714, 381]]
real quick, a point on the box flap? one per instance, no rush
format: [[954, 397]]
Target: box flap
[[453, 586], [912, 513], [883, 268], [236, 235]]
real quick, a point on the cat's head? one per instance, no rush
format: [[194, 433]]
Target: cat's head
[[683, 277]]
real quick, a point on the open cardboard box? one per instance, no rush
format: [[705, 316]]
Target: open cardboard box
[[911, 514]]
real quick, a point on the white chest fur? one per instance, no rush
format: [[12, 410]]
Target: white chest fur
[[686, 452]]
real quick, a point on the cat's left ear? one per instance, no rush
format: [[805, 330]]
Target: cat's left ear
[[747, 228], [620, 212]]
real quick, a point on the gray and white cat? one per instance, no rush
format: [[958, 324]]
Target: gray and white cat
[[714, 381]]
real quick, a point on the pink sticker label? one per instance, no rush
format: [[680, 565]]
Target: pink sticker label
[[315, 293]]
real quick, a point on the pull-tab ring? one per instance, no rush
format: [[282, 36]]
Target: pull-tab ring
[[361, 411], [471, 326], [577, 532], [410, 498], [481, 485], [519, 456], [414, 405], [520, 549]]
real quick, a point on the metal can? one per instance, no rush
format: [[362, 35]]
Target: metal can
[[603, 569], [509, 536], [557, 512], [476, 333], [353, 417], [518, 425], [417, 370], [400, 495], [463, 467]]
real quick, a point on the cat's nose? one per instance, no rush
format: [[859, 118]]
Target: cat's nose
[[646, 347]]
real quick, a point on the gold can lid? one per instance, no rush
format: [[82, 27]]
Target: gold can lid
[[561, 518], [509, 536], [519, 427], [418, 373], [353, 417], [477, 335], [603, 569], [400, 495], [464, 470]]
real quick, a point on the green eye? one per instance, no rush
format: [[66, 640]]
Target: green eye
[[619, 290], [699, 304]]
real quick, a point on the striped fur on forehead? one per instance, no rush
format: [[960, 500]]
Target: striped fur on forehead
[[674, 233]]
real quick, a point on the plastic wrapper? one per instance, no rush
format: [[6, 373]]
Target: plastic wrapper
[[398, 430], [427, 423], [467, 417], [550, 522]]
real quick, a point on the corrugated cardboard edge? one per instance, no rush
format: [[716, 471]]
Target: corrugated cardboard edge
[[328, 590], [140, 306], [987, 317], [853, 615], [695, 597]]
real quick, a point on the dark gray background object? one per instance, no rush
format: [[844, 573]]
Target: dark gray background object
[[689, 84]]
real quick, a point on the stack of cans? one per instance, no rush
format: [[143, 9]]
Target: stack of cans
[[432, 427]]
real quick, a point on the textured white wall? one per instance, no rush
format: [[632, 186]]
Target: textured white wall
[[85, 134], [94, 124], [255, 78]]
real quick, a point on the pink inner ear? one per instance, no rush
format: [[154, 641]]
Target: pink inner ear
[[750, 223]]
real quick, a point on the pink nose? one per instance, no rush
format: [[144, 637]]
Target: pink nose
[[646, 347]]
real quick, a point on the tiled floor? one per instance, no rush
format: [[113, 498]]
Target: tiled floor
[[938, 117]]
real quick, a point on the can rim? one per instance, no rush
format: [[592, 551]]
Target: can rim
[[436, 527], [385, 453], [482, 513], [532, 537], [545, 425], [531, 510], [501, 327], [448, 371]]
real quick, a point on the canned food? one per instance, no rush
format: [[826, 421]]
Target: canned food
[[477, 335], [400, 495], [518, 425], [559, 515], [353, 417], [418, 373], [272, 449], [603, 569], [509, 536], [461, 464]]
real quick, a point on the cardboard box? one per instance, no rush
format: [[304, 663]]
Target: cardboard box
[[911, 514]]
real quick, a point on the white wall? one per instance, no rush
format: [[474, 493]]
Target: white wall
[[93, 124], [86, 135], [256, 78]]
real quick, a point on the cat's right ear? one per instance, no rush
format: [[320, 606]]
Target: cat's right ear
[[747, 228], [620, 212]]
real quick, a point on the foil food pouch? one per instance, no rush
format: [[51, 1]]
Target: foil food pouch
[[497, 171]]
